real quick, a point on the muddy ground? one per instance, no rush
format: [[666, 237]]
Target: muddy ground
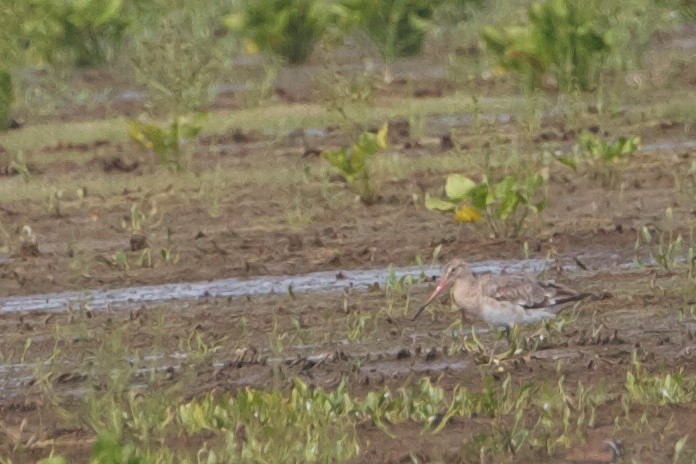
[[266, 342], [259, 201]]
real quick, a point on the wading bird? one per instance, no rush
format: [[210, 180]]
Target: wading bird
[[502, 300]]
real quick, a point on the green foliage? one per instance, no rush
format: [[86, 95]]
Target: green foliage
[[173, 55], [605, 152], [632, 26], [289, 29], [687, 10], [561, 39], [168, 142], [603, 157], [505, 203], [6, 99], [352, 163], [397, 27], [308, 425], [659, 390], [85, 30], [667, 247]]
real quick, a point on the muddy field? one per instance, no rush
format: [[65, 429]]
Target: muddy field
[[258, 200]]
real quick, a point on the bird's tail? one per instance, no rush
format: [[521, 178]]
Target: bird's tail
[[568, 295]]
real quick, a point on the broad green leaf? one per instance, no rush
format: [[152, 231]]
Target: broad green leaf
[[568, 161], [338, 160], [458, 187], [504, 188], [437, 204], [481, 196], [382, 136], [628, 145], [466, 213], [508, 204], [357, 160], [234, 22], [110, 10]]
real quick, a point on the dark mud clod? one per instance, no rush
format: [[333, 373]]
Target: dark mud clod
[[446, 143], [29, 249], [116, 164], [138, 242]]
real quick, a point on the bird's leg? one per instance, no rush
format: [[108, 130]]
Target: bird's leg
[[499, 334]]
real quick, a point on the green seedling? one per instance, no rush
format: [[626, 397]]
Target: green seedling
[[598, 149], [168, 142], [561, 40], [505, 204], [670, 250], [140, 220], [352, 163], [397, 27], [85, 31], [658, 390], [602, 159], [6, 99], [357, 325], [288, 29]]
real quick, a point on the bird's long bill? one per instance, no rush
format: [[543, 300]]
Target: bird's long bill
[[440, 287]]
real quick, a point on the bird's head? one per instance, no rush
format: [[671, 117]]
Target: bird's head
[[454, 270]]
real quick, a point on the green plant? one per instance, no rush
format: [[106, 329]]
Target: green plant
[[86, 31], [659, 390], [505, 204], [342, 90], [6, 99], [561, 40], [352, 163], [357, 325], [604, 157], [605, 152], [632, 27], [170, 141], [397, 27], [289, 29], [670, 251], [174, 56]]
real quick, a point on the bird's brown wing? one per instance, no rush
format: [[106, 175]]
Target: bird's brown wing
[[527, 292], [517, 289], [559, 293]]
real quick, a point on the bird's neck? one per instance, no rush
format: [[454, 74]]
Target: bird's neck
[[463, 287]]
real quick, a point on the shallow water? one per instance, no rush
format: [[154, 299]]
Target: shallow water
[[267, 285]]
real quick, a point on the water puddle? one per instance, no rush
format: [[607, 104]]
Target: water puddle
[[466, 119], [267, 285], [668, 145]]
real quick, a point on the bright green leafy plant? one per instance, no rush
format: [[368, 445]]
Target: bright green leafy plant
[[352, 163], [669, 389], [505, 204], [84, 30], [169, 142], [397, 27], [175, 58], [605, 152], [602, 157], [289, 29], [560, 40], [13, 45], [6, 99]]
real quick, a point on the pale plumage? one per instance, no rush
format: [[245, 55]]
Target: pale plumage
[[502, 300]]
